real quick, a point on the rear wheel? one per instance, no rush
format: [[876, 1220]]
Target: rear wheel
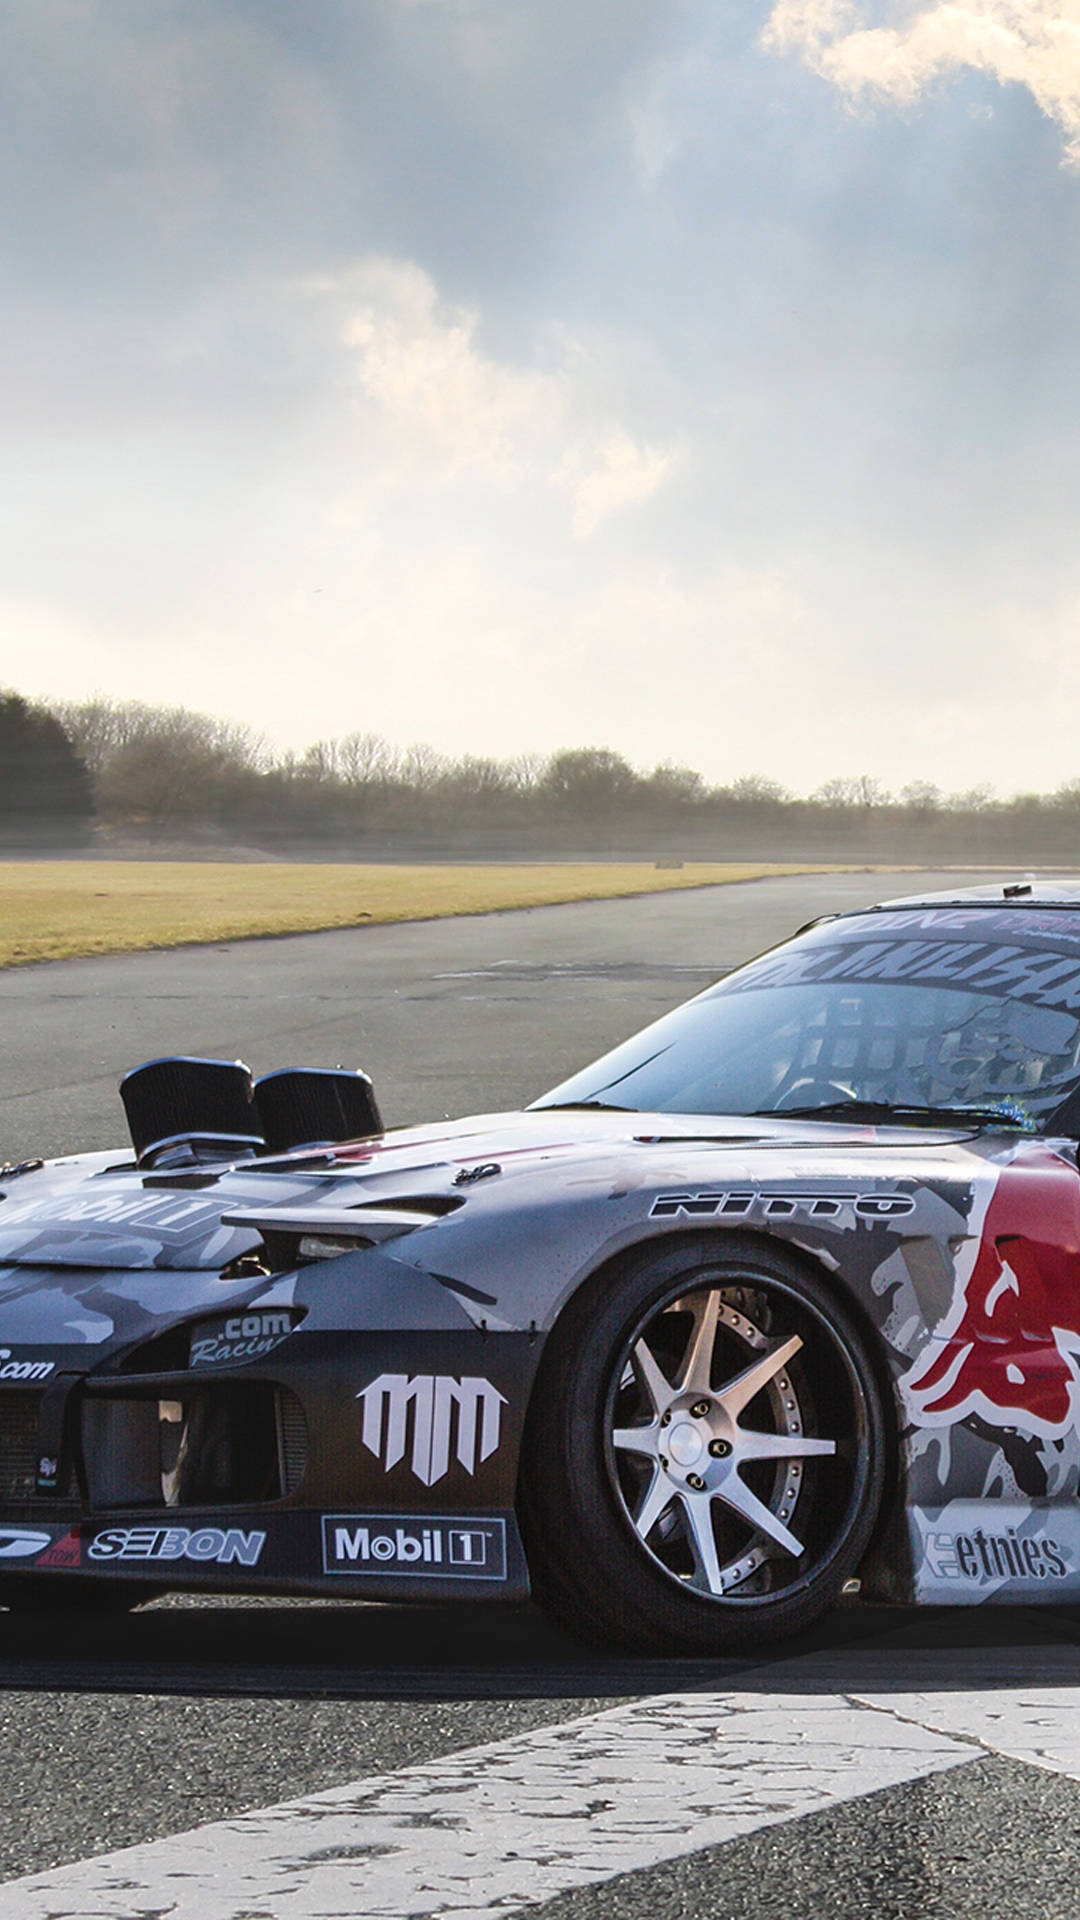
[[705, 1453]]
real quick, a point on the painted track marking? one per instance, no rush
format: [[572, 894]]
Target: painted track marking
[[504, 1826], [1040, 1725], [510, 1824]]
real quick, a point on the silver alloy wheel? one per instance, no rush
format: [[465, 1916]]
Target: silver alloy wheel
[[696, 1408]]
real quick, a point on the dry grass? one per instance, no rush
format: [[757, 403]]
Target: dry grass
[[54, 910]]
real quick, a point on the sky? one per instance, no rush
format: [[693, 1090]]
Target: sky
[[694, 378]]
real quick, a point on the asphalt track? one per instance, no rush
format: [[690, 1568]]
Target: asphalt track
[[189, 1712]]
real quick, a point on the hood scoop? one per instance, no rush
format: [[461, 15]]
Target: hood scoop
[[183, 1111], [292, 1235]]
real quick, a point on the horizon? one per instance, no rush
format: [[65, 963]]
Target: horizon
[[702, 383]]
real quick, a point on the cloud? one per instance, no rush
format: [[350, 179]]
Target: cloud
[[418, 366], [1029, 43], [619, 473], [445, 408]]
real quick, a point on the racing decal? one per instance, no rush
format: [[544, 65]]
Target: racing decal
[[165, 1212], [242, 1336], [454, 1546], [1009, 1345], [442, 1412], [976, 1550], [64, 1552], [22, 1543], [1031, 975], [1062, 922], [13, 1369], [982, 1556], [822, 1206], [224, 1546]]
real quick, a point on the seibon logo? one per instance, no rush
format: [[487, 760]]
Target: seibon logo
[[442, 1416]]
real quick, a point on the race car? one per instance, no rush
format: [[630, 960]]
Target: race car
[[780, 1296]]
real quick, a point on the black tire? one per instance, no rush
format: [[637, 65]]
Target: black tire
[[28, 1593], [617, 1531]]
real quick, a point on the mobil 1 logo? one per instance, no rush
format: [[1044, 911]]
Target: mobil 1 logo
[[442, 1547]]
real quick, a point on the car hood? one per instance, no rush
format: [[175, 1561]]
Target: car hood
[[490, 1221], [95, 1211]]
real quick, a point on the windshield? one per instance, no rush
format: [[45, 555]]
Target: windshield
[[938, 1008]]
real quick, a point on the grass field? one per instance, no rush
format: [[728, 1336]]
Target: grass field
[[54, 910]]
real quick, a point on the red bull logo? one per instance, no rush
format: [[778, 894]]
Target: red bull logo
[[1009, 1345]]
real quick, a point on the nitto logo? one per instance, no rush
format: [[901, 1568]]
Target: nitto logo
[[780, 1206], [442, 1412], [23, 1369], [400, 1543]]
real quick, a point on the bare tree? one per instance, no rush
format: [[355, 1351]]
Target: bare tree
[[756, 789], [921, 796], [857, 790], [971, 800], [365, 760]]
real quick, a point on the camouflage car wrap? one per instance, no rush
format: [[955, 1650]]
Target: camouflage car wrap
[[960, 1252], [312, 1372]]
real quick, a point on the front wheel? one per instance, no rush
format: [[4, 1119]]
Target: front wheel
[[704, 1456]]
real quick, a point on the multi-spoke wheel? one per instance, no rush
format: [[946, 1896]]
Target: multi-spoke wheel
[[705, 1453]]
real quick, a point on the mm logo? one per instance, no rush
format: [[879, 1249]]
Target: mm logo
[[440, 1414]]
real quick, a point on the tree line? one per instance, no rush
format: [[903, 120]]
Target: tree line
[[122, 767]]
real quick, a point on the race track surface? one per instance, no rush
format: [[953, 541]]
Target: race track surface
[[897, 1764]]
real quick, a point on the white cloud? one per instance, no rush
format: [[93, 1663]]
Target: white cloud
[[618, 473], [1029, 43], [440, 397], [445, 409]]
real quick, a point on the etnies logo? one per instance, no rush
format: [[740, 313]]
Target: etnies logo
[[984, 1557]]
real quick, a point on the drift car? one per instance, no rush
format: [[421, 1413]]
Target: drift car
[[781, 1294]]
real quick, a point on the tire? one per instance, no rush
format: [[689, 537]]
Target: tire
[[705, 1453], [29, 1593]]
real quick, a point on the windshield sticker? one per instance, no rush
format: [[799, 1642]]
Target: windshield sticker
[[1041, 979], [978, 923]]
